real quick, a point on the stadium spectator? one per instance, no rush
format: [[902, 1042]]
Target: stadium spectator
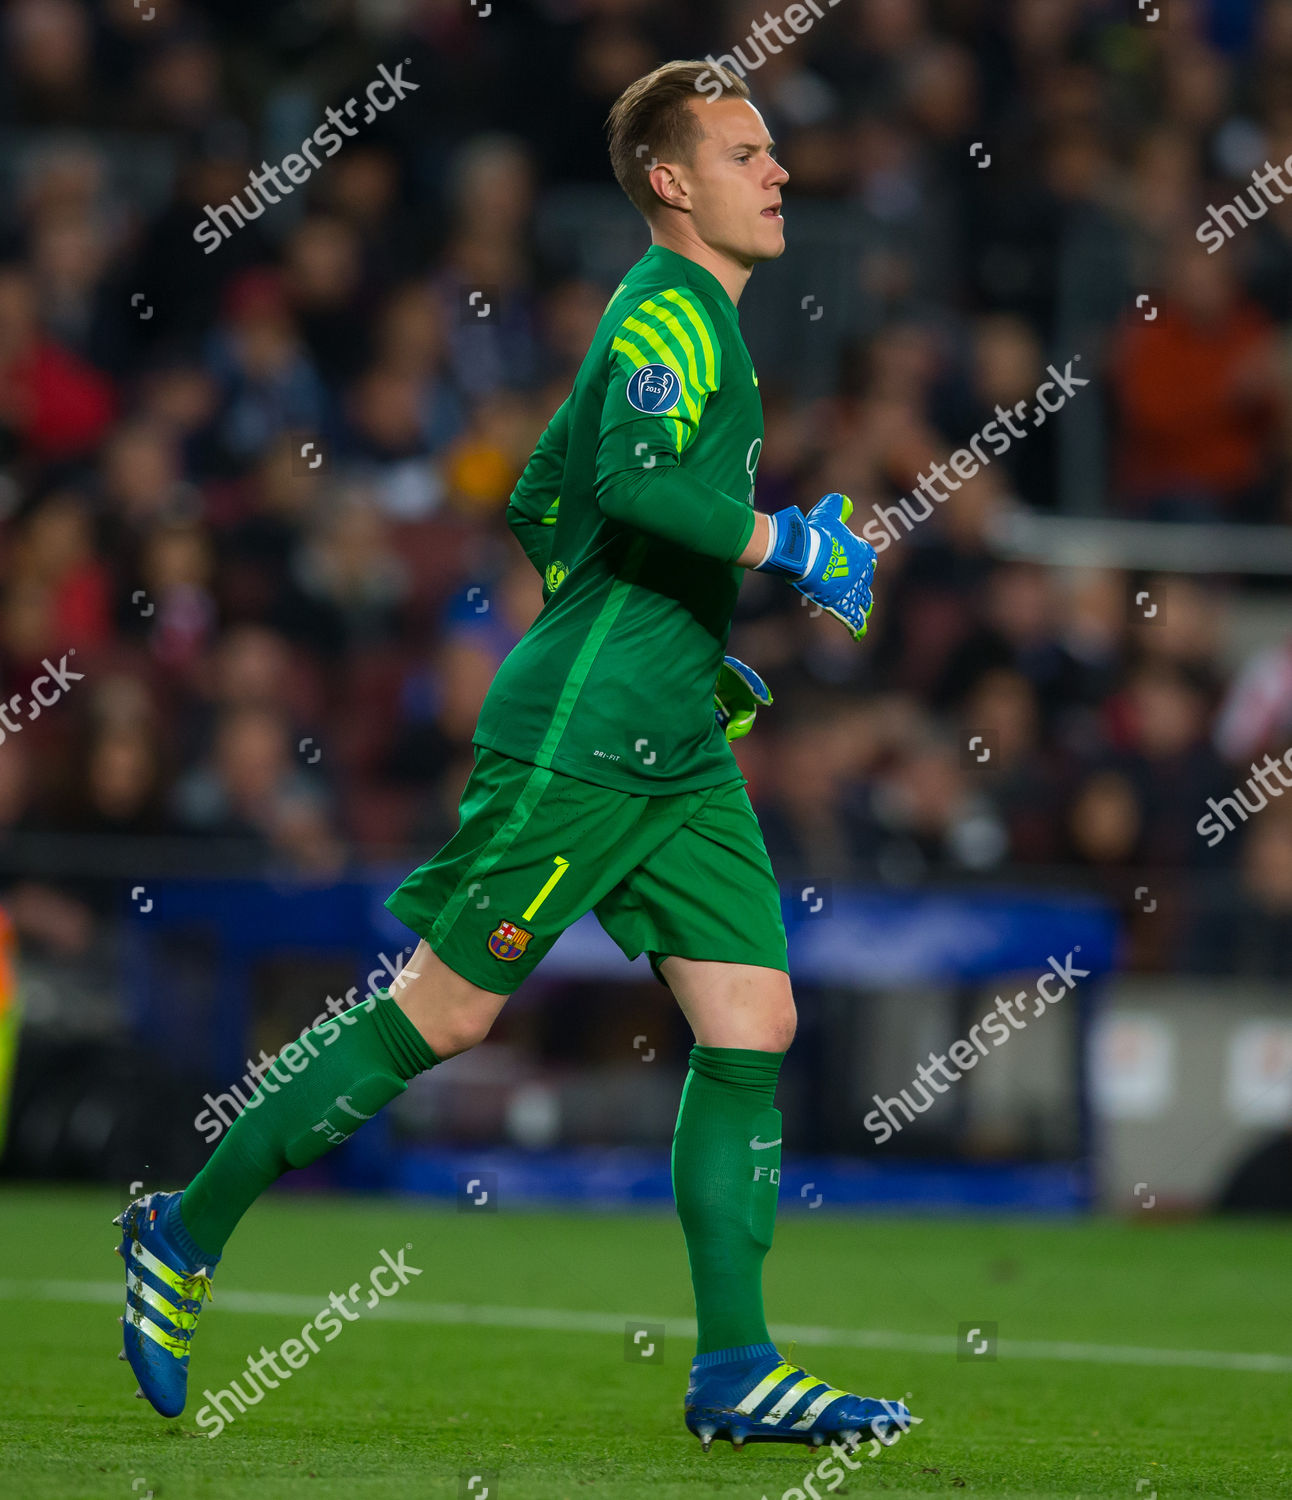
[[1199, 399], [1157, 726], [268, 383], [53, 405], [1248, 930], [55, 549], [1257, 711], [51, 73], [251, 786]]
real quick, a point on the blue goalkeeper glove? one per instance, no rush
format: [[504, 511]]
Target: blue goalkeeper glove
[[737, 696], [824, 560]]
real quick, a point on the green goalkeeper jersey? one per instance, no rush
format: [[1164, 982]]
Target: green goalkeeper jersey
[[634, 506]]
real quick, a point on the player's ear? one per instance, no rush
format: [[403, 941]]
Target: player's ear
[[669, 186]]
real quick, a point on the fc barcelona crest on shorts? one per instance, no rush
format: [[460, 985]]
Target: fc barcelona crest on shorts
[[508, 942]]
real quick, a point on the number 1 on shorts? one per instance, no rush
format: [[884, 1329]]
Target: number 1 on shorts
[[562, 865]]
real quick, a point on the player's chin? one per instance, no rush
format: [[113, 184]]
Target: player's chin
[[770, 240]]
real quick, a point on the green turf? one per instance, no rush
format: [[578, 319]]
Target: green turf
[[400, 1408]]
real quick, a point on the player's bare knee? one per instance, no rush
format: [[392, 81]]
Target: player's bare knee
[[459, 1032], [449, 1028], [782, 1025], [775, 1018], [451, 1014], [767, 1034]]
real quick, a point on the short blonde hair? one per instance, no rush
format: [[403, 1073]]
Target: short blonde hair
[[652, 121]]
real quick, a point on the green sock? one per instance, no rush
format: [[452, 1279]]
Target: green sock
[[321, 1089], [725, 1185]]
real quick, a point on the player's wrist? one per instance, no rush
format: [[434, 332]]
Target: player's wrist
[[790, 545]]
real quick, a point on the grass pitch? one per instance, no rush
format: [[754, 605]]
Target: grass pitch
[[1118, 1372]]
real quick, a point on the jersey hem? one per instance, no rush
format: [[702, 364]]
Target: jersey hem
[[700, 782]]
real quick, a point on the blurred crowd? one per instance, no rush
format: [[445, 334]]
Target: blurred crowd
[[259, 492]]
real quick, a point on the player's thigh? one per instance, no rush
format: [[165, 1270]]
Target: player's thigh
[[733, 1005], [534, 850], [706, 906]]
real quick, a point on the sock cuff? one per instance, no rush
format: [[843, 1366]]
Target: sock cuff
[[746, 1069], [184, 1241], [740, 1355], [407, 1047]]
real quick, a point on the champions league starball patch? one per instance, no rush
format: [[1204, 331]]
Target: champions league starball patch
[[654, 389]]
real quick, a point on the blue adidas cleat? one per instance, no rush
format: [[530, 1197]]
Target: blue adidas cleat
[[165, 1285], [752, 1395]]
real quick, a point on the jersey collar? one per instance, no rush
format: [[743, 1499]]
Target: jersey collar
[[696, 274]]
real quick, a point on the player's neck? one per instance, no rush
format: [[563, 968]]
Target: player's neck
[[731, 273]]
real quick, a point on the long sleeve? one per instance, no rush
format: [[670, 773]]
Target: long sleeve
[[666, 362], [531, 511], [671, 503]]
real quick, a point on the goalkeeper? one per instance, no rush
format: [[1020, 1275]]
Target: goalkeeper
[[603, 782]]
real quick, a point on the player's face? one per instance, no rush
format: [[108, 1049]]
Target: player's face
[[735, 183]]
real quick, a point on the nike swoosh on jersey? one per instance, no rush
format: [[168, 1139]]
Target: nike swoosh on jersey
[[757, 1145]]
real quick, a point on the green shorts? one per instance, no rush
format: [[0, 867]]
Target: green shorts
[[684, 875]]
